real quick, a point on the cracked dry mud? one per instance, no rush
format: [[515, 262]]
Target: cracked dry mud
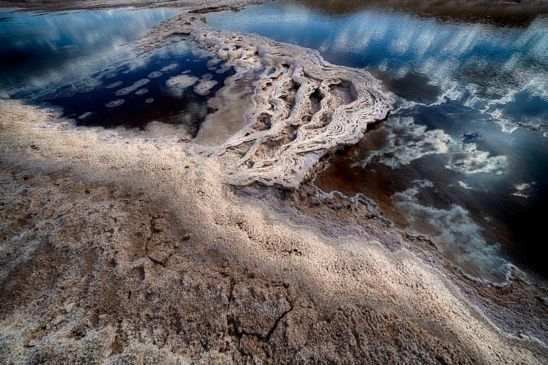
[[122, 246]]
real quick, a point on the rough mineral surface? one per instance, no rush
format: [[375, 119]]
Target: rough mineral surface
[[303, 106], [126, 246], [204, 87], [122, 247]]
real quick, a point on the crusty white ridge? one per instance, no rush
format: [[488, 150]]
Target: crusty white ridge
[[303, 105]]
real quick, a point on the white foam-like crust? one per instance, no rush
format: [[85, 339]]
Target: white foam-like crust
[[303, 105], [169, 67], [204, 87], [155, 74], [115, 103], [114, 85], [141, 91], [176, 85], [350, 270]]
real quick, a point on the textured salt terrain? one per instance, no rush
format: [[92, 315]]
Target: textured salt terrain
[[303, 106], [125, 246]]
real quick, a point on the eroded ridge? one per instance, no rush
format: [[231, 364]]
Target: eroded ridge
[[303, 106]]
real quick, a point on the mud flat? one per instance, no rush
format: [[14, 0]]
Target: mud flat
[[124, 246]]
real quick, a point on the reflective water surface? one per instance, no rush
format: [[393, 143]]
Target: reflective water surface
[[84, 62], [464, 155]]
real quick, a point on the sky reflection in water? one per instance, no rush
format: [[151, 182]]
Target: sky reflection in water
[[464, 157], [82, 60], [40, 50]]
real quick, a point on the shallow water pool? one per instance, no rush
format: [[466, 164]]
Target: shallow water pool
[[464, 154]]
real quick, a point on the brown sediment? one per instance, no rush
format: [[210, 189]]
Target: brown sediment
[[501, 12], [125, 246]]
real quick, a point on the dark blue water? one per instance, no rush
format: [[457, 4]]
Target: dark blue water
[[464, 155], [79, 60]]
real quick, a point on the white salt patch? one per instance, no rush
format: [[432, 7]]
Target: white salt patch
[[177, 85], [132, 88], [115, 103], [171, 67], [213, 62], [224, 68], [204, 87], [113, 85], [141, 92], [155, 74]]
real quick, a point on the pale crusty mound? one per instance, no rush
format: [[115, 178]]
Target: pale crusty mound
[[303, 106], [125, 247]]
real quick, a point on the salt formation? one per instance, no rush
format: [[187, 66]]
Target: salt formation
[[155, 74], [177, 84], [114, 85], [303, 105], [115, 103], [128, 90], [204, 86], [168, 68]]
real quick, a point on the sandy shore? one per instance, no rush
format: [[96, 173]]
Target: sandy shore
[[123, 246]]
